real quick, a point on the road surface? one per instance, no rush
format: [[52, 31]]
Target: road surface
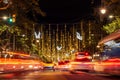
[[57, 75]]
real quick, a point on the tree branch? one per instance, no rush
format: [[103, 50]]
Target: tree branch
[[5, 7]]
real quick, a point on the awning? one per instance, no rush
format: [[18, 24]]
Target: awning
[[112, 36]]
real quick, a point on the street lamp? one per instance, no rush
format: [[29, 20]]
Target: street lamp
[[111, 16], [4, 17], [38, 45], [103, 10], [37, 41], [102, 13]]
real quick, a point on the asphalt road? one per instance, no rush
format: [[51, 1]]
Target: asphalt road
[[57, 75]]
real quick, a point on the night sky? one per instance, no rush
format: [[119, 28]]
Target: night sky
[[66, 11]]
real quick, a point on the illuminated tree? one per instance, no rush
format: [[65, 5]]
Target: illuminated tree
[[6, 34], [113, 26], [25, 12], [114, 9]]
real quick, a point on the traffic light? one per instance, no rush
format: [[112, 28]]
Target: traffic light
[[12, 19]]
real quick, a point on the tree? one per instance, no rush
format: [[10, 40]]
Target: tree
[[114, 9], [25, 12], [113, 26], [4, 4], [6, 33]]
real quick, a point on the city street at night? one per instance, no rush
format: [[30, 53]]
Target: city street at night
[[59, 39]]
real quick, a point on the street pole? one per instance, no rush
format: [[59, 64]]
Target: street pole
[[13, 42]]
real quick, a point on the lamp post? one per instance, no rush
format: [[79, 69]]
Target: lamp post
[[58, 48], [14, 40], [38, 42], [102, 18], [79, 37], [102, 14]]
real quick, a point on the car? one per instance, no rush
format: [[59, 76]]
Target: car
[[81, 64], [62, 65], [108, 66], [48, 66]]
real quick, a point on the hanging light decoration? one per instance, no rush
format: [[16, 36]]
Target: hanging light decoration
[[78, 36]]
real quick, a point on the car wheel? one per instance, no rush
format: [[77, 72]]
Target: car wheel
[[53, 69], [72, 72], [86, 70]]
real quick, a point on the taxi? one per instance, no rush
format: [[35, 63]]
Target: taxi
[[48, 66]]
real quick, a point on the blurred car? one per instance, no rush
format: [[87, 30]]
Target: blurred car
[[81, 64], [109, 66], [62, 65], [82, 54], [48, 66]]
